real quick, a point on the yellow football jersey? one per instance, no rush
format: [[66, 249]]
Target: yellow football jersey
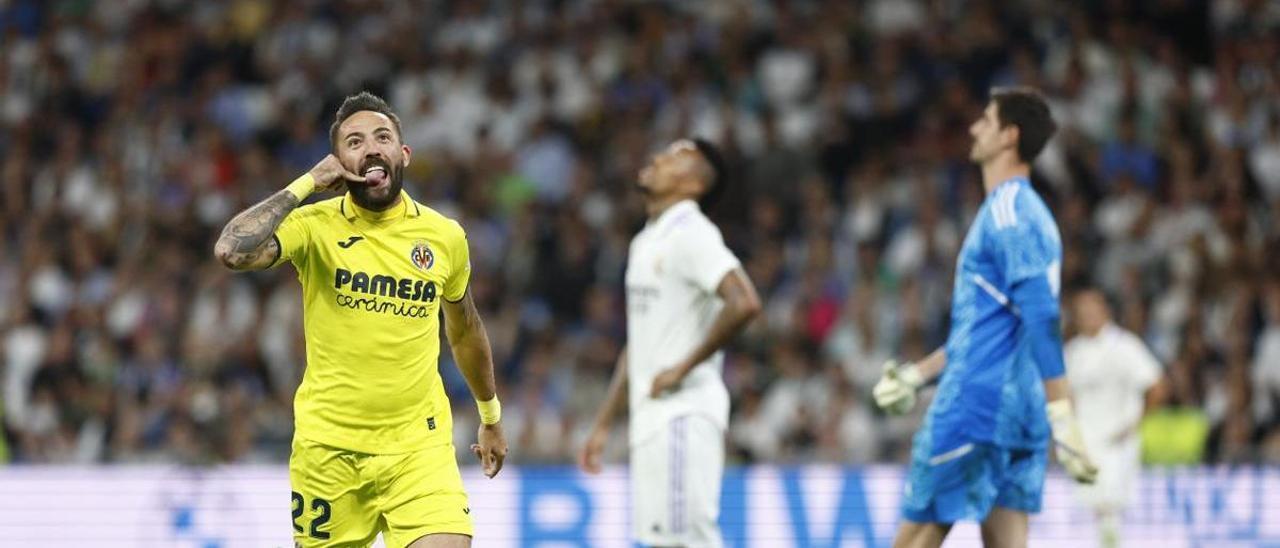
[[371, 288]]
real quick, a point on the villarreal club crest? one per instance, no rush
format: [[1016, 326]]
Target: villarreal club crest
[[421, 256]]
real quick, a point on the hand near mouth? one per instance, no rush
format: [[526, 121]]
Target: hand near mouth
[[330, 175]]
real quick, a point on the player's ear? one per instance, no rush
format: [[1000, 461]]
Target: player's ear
[[407, 152], [1011, 134]]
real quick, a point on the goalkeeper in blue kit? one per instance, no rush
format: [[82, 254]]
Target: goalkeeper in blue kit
[[982, 450]]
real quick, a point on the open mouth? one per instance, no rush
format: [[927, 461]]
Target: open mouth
[[375, 175]]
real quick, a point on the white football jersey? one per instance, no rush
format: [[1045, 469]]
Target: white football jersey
[[1109, 375], [674, 267]]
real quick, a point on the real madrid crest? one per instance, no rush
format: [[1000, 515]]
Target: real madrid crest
[[421, 256]]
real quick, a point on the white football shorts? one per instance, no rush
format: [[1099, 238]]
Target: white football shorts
[[675, 484]]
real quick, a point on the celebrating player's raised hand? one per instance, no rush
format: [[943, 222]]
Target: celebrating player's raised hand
[[329, 174]]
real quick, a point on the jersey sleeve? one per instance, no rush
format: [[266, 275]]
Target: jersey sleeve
[[702, 257], [1024, 246], [1023, 239], [294, 236], [1144, 370], [460, 268], [1027, 252]]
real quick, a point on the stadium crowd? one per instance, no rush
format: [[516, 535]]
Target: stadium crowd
[[131, 131]]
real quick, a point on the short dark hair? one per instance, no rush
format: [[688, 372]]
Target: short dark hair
[[356, 103], [715, 187], [1026, 108]]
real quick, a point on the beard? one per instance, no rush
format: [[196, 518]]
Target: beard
[[369, 196]]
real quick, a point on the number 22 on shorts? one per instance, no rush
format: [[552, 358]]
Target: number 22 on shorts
[[319, 505]]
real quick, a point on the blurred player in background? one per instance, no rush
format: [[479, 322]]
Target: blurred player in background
[[1110, 371], [981, 452], [372, 448], [687, 296]]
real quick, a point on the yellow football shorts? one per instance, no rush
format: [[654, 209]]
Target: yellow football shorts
[[345, 498]]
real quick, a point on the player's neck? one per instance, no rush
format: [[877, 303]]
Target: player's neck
[[1001, 169], [656, 206]]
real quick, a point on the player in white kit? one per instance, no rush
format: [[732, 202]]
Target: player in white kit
[[1110, 371], [687, 296]]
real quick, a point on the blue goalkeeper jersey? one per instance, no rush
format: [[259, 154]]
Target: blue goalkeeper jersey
[[990, 390]]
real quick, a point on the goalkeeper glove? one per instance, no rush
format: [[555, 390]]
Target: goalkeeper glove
[[896, 391], [1068, 444]]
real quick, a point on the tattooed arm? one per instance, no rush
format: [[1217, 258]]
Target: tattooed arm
[[246, 242]]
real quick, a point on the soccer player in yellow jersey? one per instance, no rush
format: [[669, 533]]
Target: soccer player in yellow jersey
[[372, 447]]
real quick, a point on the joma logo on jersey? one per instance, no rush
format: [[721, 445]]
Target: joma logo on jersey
[[386, 286], [421, 256]]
